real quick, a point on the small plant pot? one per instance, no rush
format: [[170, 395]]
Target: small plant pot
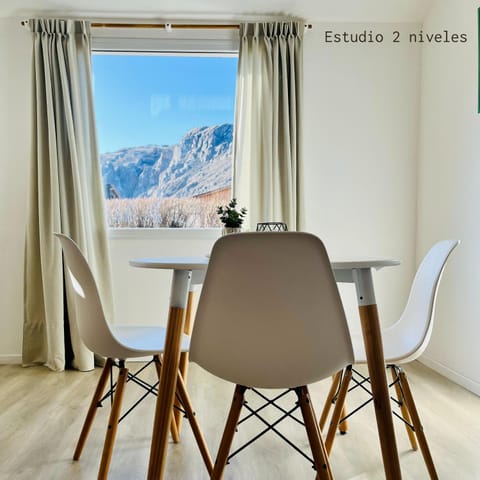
[[228, 230]]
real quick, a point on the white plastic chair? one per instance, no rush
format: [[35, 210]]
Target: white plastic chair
[[403, 342], [116, 343], [270, 316]]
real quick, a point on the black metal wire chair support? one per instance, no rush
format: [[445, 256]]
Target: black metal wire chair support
[[361, 384], [150, 389], [271, 426]]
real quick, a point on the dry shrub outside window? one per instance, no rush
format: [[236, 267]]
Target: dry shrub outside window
[[191, 212]]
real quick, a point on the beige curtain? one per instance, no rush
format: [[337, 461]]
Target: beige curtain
[[66, 192], [267, 143]]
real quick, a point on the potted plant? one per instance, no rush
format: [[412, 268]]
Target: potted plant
[[231, 217]]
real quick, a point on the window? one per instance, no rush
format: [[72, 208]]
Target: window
[[165, 128]]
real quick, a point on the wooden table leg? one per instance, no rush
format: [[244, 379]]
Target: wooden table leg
[[381, 399], [372, 338], [168, 380]]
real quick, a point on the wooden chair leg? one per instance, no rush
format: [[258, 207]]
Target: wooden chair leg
[[339, 408], [229, 432], [422, 440], [187, 405], [173, 425], [343, 425], [328, 402], [113, 422], [403, 408], [92, 409], [320, 457], [174, 429]]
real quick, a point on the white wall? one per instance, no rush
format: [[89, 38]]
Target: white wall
[[449, 187], [361, 125], [361, 109]]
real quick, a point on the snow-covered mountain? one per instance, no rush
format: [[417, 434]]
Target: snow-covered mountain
[[200, 163]]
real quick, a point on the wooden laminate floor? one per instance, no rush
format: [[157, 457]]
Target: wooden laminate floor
[[41, 413]]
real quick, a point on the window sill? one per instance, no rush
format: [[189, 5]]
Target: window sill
[[163, 233]]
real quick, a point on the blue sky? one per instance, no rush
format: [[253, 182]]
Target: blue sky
[[153, 99]]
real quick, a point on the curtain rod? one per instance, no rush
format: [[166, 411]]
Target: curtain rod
[[166, 26], [169, 26]]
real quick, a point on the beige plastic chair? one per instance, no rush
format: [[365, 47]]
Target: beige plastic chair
[[270, 316], [116, 343], [403, 342]]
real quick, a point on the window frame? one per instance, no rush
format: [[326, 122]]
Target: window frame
[[153, 41]]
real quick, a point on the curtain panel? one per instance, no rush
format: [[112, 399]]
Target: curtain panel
[[267, 141], [66, 193]]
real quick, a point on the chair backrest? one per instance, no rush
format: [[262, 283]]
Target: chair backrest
[[416, 322], [270, 314], [88, 312]]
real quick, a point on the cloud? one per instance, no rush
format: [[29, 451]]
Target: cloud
[[159, 103], [205, 102]]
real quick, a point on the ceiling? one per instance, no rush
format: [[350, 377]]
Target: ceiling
[[310, 10]]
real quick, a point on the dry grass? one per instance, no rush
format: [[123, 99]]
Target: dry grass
[[191, 212]]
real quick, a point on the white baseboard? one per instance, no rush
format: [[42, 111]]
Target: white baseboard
[[17, 359], [456, 377], [10, 359]]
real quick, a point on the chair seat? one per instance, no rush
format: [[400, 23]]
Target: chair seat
[[144, 340], [398, 347]]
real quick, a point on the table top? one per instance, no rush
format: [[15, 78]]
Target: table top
[[376, 263], [172, 263], [201, 263]]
